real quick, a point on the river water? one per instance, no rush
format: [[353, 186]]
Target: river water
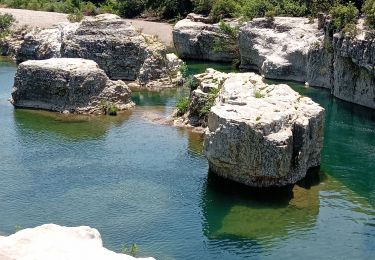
[[142, 182]]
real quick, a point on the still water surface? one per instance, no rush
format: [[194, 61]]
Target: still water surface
[[140, 182]]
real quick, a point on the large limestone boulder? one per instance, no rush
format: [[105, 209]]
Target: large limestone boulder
[[263, 135], [113, 43], [51, 241], [287, 48], [67, 85], [194, 38]]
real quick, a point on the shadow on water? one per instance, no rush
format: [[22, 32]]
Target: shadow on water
[[233, 210], [71, 127]]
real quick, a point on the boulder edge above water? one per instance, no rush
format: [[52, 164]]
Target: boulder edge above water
[[263, 135], [51, 241], [68, 85]]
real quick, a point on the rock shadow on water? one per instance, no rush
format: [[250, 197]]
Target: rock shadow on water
[[70, 127], [238, 213]]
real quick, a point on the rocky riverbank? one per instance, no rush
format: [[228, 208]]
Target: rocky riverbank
[[296, 49], [121, 50]]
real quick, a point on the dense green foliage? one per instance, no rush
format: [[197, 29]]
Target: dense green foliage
[[6, 21], [344, 11], [343, 15], [369, 10], [182, 105]]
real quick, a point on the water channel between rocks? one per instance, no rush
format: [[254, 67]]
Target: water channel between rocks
[[141, 182]]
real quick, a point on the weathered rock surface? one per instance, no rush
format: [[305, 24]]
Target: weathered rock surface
[[288, 49], [354, 70], [119, 49], [194, 38], [51, 241], [40, 44], [206, 85], [68, 85], [263, 135]]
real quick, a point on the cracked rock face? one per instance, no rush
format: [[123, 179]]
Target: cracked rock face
[[288, 48], [51, 241], [263, 135], [67, 85], [194, 38], [113, 43]]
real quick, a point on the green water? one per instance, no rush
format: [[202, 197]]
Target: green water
[[139, 181]]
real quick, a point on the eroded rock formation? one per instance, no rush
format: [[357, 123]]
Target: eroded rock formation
[[194, 38], [51, 241], [206, 85], [119, 49], [263, 135], [287, 48], [68, 85]]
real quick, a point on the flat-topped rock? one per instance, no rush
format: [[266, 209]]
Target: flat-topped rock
[[121, 50], [68, 85], [263, 135], [193, 38], [51, 241]]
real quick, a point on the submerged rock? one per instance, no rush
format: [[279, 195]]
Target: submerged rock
[[263, 135], [194, 38], [66, 84], [51, 241], [118, 48]]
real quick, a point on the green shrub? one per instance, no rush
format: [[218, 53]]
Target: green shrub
[[6, 21], [129, 250], [270, 16], [255, 8], [343, 15], [88, 8], [76, 17], [350, 30], [227, 42], [184, 70], [112, 109], [369, 11], [224, 9], [190, 83], [257, 94], [291, 8], [212, 95], [203, 6], [182, 105], [131, 8]]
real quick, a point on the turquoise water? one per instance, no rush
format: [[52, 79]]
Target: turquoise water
[[138, 181]]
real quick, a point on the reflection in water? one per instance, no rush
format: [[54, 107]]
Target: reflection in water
[[72, 127], [349, 141], [233, 210]]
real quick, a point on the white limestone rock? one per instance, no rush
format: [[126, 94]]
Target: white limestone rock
[[51, 241], [67, 84], [288, 48], [123, 52], [263, 135], [194, 38]]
